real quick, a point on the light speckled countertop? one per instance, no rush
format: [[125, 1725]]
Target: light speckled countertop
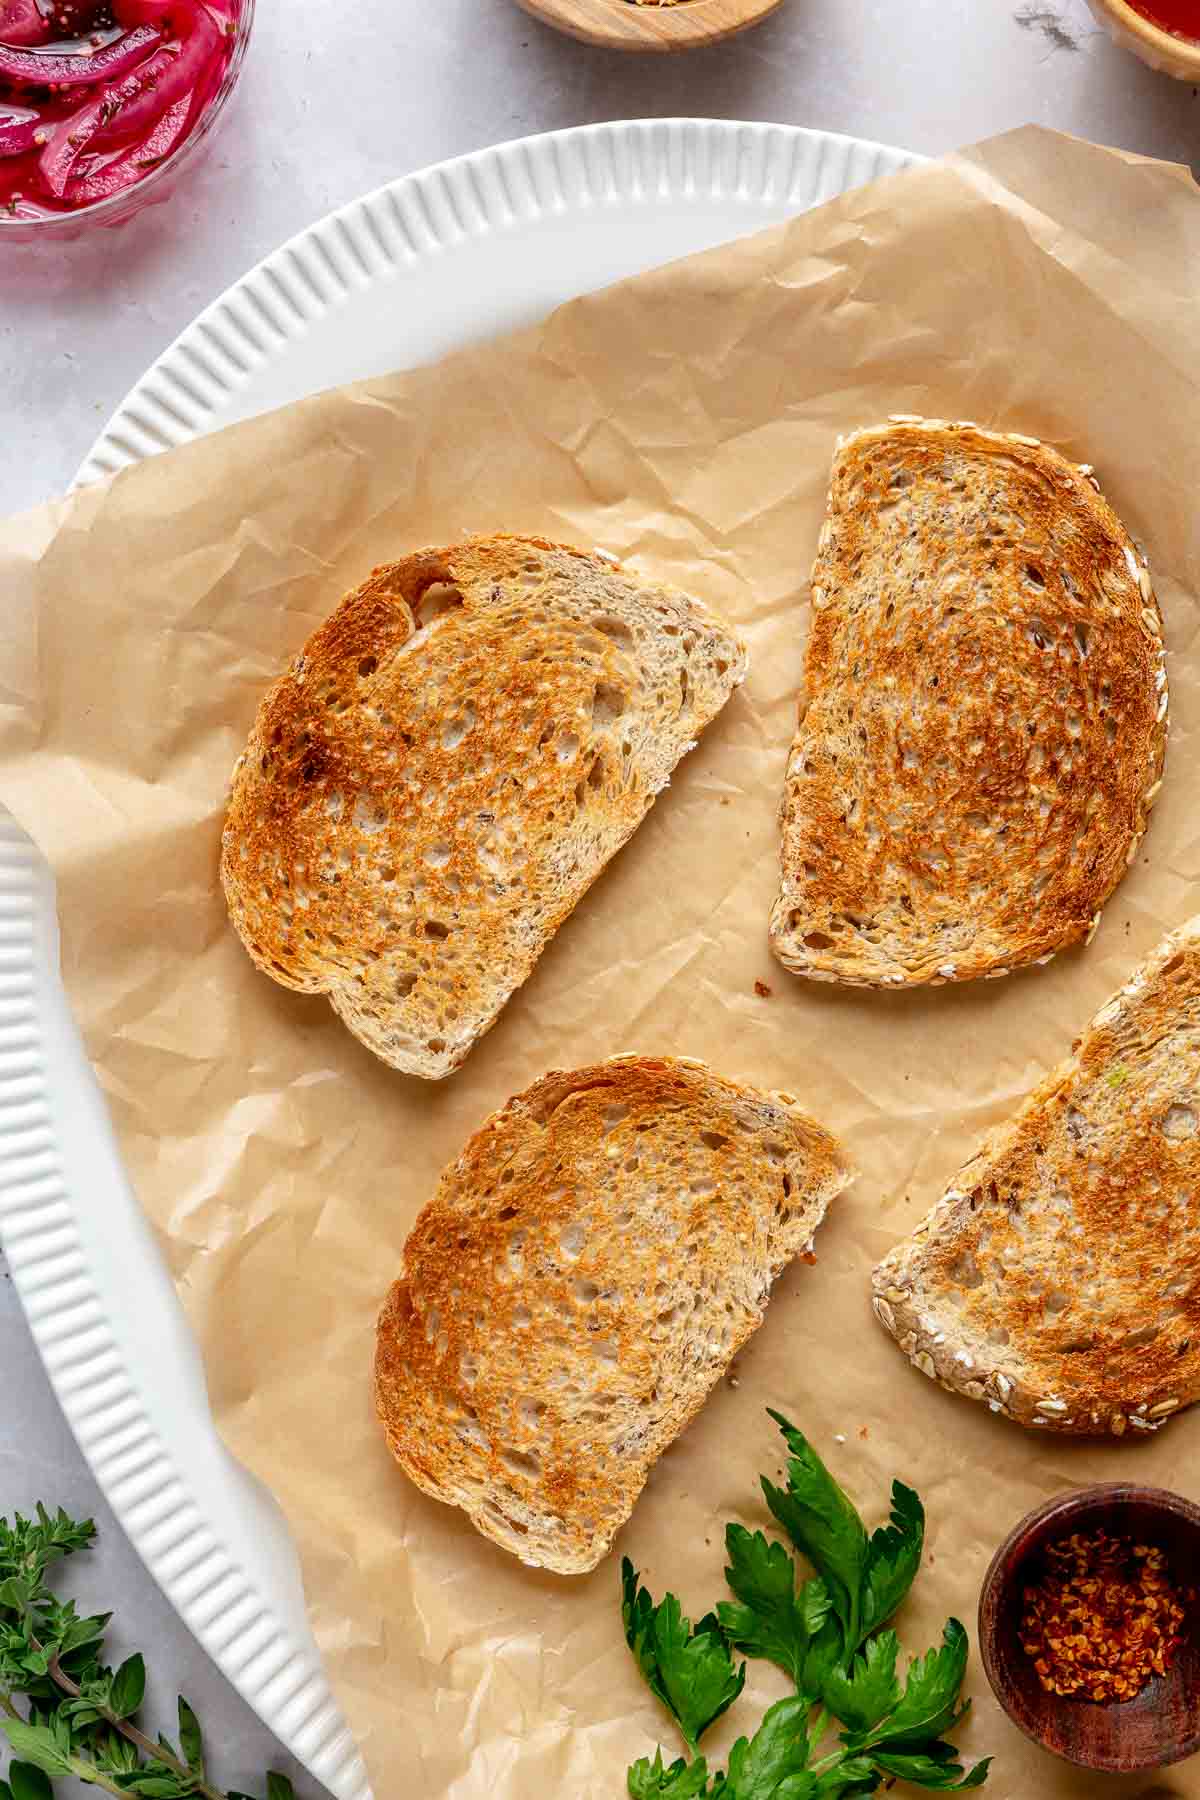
[[415, 81]]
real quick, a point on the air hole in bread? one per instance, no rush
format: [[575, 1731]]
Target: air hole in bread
[[456, 729], [818, 940], [608, 704], [434, 602], [567, 748], [572, 1239], [715, 1140], [965, 1271], [1035, 575], [368, 666], [604, 1349], [586, 1292], [435, 929], [1180, 1122], [405, 984], [611, 1117], [616, 629], [437, 856]]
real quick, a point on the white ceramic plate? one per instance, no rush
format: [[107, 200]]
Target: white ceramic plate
[[429, 263]]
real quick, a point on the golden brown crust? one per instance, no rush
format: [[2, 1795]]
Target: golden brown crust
[[984, 718], [423, 800], [582, 1277], [1058, 1278]]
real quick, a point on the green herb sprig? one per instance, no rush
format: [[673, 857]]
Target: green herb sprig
[[827, 1633], [80, 1714]]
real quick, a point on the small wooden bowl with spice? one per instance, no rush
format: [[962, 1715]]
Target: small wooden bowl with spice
[[650, 24], [1089, 1627]]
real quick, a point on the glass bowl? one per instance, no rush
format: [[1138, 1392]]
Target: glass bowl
[[158, 184]]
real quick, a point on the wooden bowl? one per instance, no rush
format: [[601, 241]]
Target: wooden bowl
[[1162, 1724], [620, 25], [1161, 49]]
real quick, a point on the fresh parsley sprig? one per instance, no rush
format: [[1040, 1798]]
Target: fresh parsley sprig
[[827, 1633], [80, 1717]]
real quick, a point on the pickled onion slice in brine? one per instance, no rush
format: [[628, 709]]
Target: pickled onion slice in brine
[[21, 22], [177, 69], [129, 165], [18, 129], [78, 68]]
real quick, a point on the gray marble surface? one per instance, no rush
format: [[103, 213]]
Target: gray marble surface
[[327, 111]]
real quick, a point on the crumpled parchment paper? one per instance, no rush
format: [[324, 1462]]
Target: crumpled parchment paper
[[684, 420]]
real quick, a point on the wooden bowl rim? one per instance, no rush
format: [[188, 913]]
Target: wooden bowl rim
[[674, 26], [1061, 1509], [1187, 50]]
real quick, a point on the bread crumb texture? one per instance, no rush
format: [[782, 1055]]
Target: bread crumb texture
[[984, 715], [1058, 1278], [582, 1278], [445, 769]]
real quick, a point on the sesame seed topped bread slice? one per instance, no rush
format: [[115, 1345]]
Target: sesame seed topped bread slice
[[580, 1280], [445, 769], [984, 714], [1058, 1278]]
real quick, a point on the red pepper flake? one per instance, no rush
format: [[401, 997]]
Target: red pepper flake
[[1104, 1619], [762, 990]]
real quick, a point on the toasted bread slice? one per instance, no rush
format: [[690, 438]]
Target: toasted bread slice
[[1059, 1276], [445, 769], [984, 714], [581, 1279]]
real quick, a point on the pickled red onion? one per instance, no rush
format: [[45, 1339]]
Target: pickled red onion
[[75, 68], [131, 164], [71, 136], [21, 22], [173, 72], [18, 129]]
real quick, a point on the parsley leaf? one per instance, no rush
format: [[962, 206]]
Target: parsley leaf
[[869, 1690], [893, 1558], [682, 1781], [929, 1704], [828, 1634], [690, 1670], [773, 1764], [823, 1524], [856, 1776], [771, 1619], [937, 1766]]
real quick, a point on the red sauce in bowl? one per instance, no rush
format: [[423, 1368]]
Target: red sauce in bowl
[[1180, 17]]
